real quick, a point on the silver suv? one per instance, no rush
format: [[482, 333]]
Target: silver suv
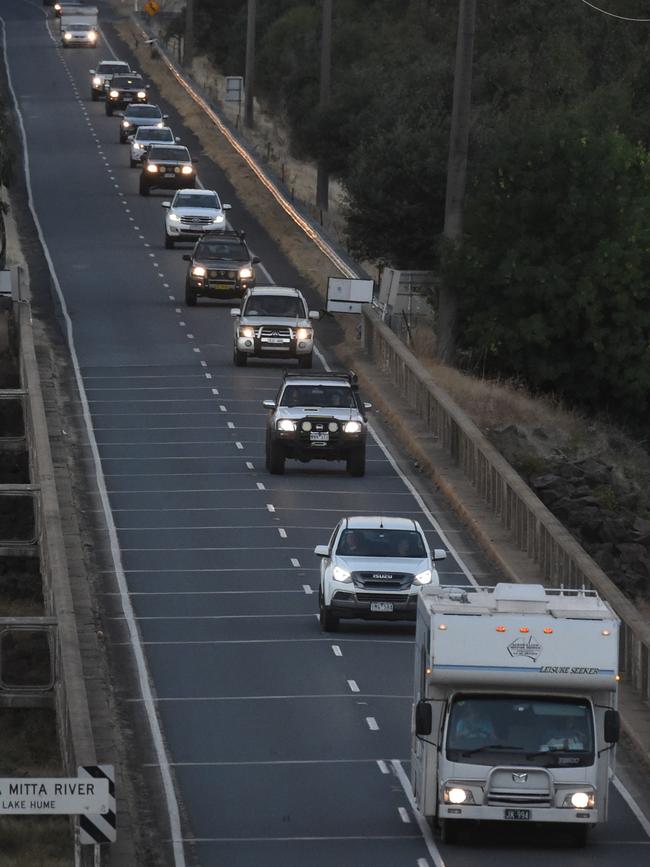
[[317, 417], [274, 322], [374, 567]]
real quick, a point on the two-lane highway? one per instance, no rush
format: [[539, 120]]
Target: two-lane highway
[[278, 744]]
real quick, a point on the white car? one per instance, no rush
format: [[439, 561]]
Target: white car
[[144, 137], [77, 33], [374, 568], [101, 77], [192, 213]]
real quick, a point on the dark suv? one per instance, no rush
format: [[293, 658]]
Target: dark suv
[[317, 416], [221, 266], [125, 90], [168, 167]]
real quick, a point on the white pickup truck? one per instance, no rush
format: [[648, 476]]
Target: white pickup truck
[[515, 715]]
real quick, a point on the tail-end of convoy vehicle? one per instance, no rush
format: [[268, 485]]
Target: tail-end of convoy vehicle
[[515, 715], [79, 26], [274, 322]]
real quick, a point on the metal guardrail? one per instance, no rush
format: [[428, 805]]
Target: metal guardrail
[[532, 526]]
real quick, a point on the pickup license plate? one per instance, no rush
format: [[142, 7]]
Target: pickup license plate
[[318, 437], [220, 286], [517, 815], [384, 607], [169, 174], [127, 98], [275, 340]]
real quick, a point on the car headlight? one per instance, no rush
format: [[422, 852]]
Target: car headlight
[[245, 273], [141, 94], [92, 36], [198, 271], [174, 218], [285, 424], [579, 800], [67, 35], [57, 7], [125, 124], [458, 795], [341, 575], [218, 219], [352, 427], [97, 82], [247, 331], [152, 168], [423, 577], [187, 170], [113, 94]]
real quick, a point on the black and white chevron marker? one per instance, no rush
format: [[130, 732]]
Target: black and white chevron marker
[[99, 829]]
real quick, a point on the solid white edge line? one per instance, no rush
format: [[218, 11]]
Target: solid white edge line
[[632, 804], [419, 818], [145, 686]]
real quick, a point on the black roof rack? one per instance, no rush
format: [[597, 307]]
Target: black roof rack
[[349, 375]]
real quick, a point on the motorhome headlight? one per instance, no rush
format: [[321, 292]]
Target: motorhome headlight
[[287, 425], [352, 427], [423, 577], [579, 800], [247, 331], [245, 273], [97, 81], [458, 795], [341, 575]]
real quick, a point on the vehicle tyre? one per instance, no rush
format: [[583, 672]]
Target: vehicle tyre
[[449, 830], [133, 163], [356, 462], [276, 459], [109, 109], [190, 297], [239, 358], [329, 622], [144, 188], [94, 96], [305, 361], [169, 242]]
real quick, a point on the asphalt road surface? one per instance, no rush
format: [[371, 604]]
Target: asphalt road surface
[[286, 746]]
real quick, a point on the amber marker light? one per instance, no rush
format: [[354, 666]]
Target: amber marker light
[[548, 630], [524, 629], [501, 629], [442, 627]]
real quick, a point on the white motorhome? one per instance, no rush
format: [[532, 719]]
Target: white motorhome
[[515, 714]]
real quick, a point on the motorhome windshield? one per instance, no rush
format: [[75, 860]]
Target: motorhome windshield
[[546, 731]]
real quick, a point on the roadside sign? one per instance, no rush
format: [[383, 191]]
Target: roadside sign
[[100, 827], [53, 796], [234, 88], [151, 7], [347, 296]]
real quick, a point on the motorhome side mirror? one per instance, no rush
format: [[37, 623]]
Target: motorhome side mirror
[[314, 314], [226, 207], [256, 260], [268, 404], [187, 257], [322, 551], [165, 204], [439, 554], [235, 311], [612, 726], [423, 718]]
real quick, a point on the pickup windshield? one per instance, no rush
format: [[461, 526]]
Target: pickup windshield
[[176, 155], [487, 729], [335, 396], [381, 543]]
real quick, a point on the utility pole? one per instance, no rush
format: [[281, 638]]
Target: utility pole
[[322, 175], [188, 45], [249, 74], [457, 169]]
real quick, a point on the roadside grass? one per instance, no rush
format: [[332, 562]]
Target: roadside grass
[[30, 748]]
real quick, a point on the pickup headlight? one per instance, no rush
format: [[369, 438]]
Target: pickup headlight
[[174, 218], [187, 170], [423, 577], [247, 331], [152, 168], [97, 82], [352, 427], [341, 575], [67, 36], [218, 218], [160, 125], [245, 273], [285, 424], [303, 334], [113, 94], [141, 94], [125, 124], [136, 146], [579, 800], [458, 795], [198, 271]]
